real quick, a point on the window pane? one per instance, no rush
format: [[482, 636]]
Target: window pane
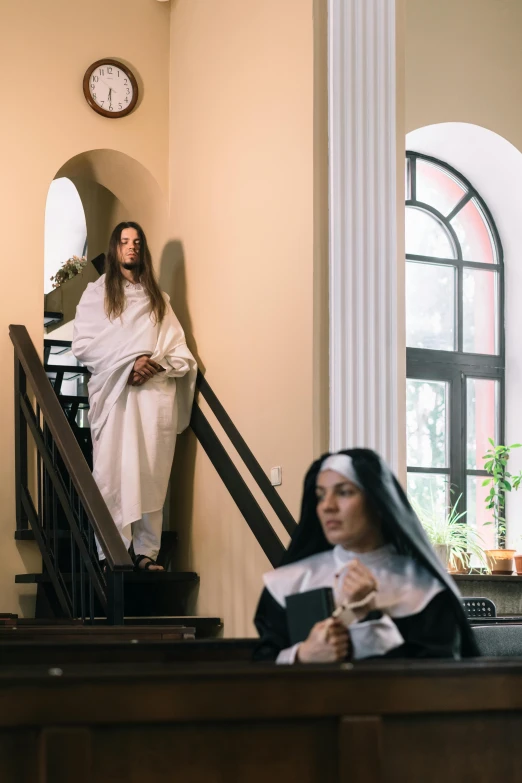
[[426, 417], [480, 296], [430, 306], [425, 236], [477, 511], [437, 188], [428, 494], [482, 403], [473, 234]]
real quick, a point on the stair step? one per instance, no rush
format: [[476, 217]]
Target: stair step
[[53, 343], [133, 577], [205, 627], [75, 369], [147, 593], [28, 535], [52, 318], [68, 399]]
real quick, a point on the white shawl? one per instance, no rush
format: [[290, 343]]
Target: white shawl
[[109, 349], [133, 427]]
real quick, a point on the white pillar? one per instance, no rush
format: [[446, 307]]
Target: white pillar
[[367, 346]]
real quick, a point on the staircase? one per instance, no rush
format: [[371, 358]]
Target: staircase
[[155, 598], [59, 506]]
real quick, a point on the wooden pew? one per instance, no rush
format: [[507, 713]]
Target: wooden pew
[[93, 633], [54, 652], [379, 722]]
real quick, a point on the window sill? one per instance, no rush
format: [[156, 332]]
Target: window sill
[[486, 578]]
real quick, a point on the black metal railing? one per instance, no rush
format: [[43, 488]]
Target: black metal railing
[[236, 485], [58, 499]]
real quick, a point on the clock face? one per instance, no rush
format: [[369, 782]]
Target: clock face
[[110, 88]]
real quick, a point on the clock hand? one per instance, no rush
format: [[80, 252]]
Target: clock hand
[[109, 88]]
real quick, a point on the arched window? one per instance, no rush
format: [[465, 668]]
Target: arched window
[[454, 338]]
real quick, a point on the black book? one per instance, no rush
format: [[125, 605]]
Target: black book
[[304, 610]]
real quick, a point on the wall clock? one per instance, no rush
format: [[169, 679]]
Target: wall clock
[[110, 88]]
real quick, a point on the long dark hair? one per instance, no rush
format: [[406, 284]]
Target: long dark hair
[[114, 293]]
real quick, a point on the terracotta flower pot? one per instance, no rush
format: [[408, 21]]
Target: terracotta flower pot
[[518, 564], [459, 564], [500, 561]]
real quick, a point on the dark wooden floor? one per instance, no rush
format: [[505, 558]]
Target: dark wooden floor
[[226, 722]]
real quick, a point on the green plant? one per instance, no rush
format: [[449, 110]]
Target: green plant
[[463, 541], [68, 269], [501, 481]]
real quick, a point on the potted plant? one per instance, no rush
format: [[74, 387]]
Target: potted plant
[[455, 542], [499, 481], [70, 268], [69, 283]]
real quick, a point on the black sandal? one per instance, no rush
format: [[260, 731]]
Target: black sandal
[[147, 566]]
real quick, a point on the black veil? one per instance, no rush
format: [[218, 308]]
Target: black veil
[[401, 526]]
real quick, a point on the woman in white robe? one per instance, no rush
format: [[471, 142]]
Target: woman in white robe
[[359, 536], [134, 424]]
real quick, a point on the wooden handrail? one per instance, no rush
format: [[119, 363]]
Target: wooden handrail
[[118, 559]]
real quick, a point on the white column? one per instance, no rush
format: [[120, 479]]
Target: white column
[[367, 351]]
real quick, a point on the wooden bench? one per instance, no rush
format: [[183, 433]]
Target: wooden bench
[[393, 722], [63, 652], [94, 633]]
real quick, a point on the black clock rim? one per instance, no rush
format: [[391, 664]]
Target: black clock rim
[[88, 97]]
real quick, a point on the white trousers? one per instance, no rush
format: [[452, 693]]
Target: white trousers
[[146, 535]]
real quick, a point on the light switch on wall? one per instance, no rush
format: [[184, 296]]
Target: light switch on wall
[[276, 476]]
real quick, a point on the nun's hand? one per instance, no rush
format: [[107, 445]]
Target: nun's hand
[[358, 583], [328, 642]]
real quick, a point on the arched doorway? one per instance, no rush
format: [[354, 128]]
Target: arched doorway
[[106, 186]]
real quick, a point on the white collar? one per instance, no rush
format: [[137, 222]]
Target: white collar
[[375, 557], [405, 587]]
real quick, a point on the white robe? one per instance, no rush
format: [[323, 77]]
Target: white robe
[[133, 427]]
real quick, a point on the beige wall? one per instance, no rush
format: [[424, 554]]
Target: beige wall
[[46, 47], [242, 197], [464, 64], [102, 212]]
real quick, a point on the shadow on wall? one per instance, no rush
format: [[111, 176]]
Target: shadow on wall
[[173, 280]]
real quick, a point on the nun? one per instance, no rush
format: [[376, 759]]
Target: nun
[[359, 536]]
